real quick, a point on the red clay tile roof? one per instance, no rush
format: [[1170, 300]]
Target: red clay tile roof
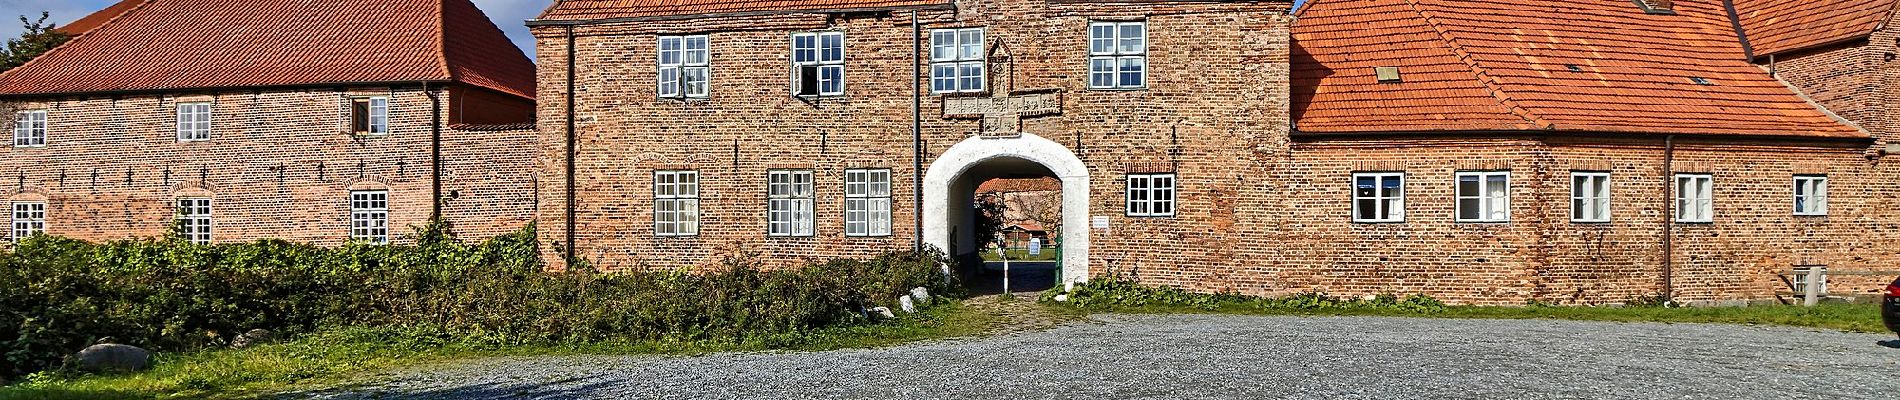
[[195, 44], [569, 10], [1043, 184], [1780, 26], [94, 20], [1504, 65]]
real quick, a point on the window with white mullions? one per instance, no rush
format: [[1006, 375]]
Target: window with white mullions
[[29, 128], [685, 70], [1695, 198], [867, 203], [1589, 197], [369, 116], [29, 218], [194, 122], [369, 216], [194, 220], [1484, 196], [675, 203], [1118, 55], [789, 203], [818, 64], [1378, 197], [1150, 195], [957, 61], [1810, 195]]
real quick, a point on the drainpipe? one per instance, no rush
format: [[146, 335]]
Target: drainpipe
[[572, 250], [917, 131], [1669, 218], [435, 153]]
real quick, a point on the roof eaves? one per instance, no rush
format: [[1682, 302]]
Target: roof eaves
[[20, 95], [1490, 83], [675, 17]]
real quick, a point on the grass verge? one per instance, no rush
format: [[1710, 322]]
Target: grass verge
[[1127, 297], [334, 357]]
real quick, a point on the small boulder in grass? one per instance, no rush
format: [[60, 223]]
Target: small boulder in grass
[[107, 357], [252, 338], [906, 304], [882, 313], [920, 294]]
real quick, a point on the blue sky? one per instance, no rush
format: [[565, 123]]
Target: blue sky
[[508, 14]]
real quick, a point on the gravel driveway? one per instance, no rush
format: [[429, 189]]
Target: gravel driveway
[[1228, 357]]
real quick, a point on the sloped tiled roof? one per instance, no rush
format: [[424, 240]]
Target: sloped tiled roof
[[194, 44], [1779, 26], [570, 10], [1505, 65], [94, 20]]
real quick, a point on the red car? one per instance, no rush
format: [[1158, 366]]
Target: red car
[[1890, 308]]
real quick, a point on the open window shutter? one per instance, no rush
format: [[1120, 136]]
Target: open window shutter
[[359, 116], [807, 80]]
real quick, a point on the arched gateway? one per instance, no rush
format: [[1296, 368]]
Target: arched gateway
[[950, 184]]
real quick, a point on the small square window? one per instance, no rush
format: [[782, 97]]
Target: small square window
[[194, 122], [1151, 195], [369, 116], [1810, 195], [1484, 197], [369, 216], [684, 67], [1589, 197], [29, 128], [194, 220], [1118, 55], [818, 64], [957, 61], [1378, 197], [1695, 198], [676, 203], [29, 218]]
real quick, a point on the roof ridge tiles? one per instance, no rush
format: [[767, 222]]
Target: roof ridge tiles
[[1490, 82]]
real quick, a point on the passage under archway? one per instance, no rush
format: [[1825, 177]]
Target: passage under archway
[[950, 187]]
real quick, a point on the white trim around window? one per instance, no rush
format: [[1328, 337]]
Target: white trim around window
[[867, 203], [1590, 197], [1484, 196], [29, 218], [823, 52], [685, 70], [1810, 195], [1695, 198], [1118, 55], [1378, 197], [194, 219], [1151, 195], [789, 202], [957, 61], [29, 128], [194, 121], [675, 203], [369, 216]]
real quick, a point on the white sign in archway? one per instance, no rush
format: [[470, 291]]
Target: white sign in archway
[[950, 167]]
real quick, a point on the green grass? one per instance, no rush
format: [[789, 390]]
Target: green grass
[[335, 357], [1021, 255]]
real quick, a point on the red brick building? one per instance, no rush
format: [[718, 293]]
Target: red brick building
[[316, 122], [1485, 151]]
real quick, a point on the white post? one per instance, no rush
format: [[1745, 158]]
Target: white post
[[1004, 250], [1816, 275]]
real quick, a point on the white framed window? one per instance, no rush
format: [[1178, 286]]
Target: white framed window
[[1484, 196], [789, 203], [1695, 198], [1378, 197], [29, 128], [1118, 55], [818, 64], [369, 216], [1810, 195], [369, 116], [957, 61], [1800, 280], [684, 67], [194, 219], [29, 218], [1150, 195], [867, 202], [194, 122], [1589, 197], [676, 203]]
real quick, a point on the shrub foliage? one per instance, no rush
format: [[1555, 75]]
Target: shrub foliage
[[1113, 293], [59, 295]]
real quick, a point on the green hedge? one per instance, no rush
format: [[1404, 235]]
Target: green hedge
[[59, 295]]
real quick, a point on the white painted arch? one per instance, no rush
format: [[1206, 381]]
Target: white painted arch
[[946, 178]]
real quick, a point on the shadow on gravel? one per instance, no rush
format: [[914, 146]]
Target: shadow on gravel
[[563, 389], [1891, 344]]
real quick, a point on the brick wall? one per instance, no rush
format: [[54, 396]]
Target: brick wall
[[280, 164]]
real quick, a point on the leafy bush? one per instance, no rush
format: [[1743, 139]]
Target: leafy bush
[[59, 295], [1112, 293]]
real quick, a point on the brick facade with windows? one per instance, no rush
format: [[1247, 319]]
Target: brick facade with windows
[[255, 134]]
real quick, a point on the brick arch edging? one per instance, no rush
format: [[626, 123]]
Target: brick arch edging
[[948, 167]]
